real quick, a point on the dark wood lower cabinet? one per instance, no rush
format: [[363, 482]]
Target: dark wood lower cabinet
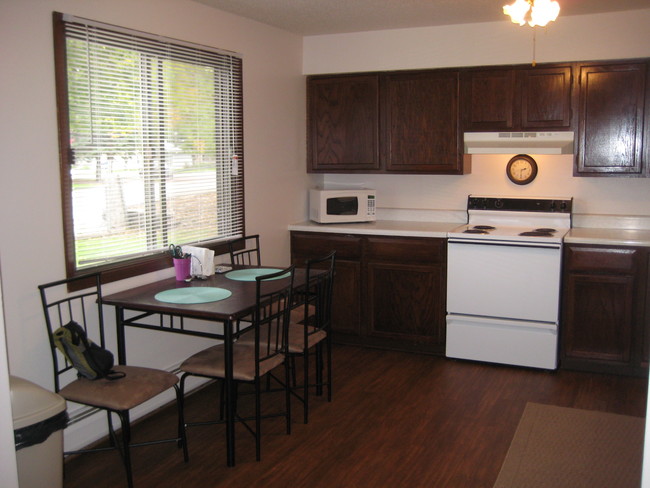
[[645, 322], [405, 302], [389, 291], [346, 313], [605, 313]]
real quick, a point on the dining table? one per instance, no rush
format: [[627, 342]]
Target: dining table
[[223, 299]]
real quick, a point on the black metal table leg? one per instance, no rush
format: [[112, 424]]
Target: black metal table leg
[[230, 411]]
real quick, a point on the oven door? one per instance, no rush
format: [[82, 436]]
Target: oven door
[[507, 280]]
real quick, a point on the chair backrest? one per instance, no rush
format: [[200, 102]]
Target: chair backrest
[[318, 293], [61, 307], [246, 250], [272, 314]]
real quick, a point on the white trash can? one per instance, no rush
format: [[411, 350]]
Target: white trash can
[[39, 417]]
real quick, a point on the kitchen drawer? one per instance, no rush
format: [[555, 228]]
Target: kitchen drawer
[[406, 250], [319, 244], [605, 259]]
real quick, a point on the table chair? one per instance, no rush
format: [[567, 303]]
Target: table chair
[[117, 396], [245, 250], [252, 361], [310, 320], [310, 328]]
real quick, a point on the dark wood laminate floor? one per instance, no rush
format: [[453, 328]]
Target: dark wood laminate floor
[[397, 420]]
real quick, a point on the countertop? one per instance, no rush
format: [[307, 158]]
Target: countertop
[[382, 227], [577, 235], [611, 237]]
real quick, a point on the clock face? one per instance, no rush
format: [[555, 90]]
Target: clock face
[[521, 169]]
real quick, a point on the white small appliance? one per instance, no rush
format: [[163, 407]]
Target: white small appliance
[[340, 206]]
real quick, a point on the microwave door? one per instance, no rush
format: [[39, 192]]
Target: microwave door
[[343, 206]]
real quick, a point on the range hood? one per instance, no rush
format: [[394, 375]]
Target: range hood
[[519, 142]]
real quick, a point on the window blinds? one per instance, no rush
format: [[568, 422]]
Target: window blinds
[[156, 142]]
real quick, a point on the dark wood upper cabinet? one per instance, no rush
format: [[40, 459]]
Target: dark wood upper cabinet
[[343, 123], [412, 122], [613, 110], [545, 97], [488, 99], [516, 98], [420, 122], [401, 122]]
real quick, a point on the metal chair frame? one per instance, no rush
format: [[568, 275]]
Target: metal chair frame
[[77, 306], [245, 250], [270, 322], [316, 297]]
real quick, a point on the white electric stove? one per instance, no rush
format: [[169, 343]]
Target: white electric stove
[[503, 280]]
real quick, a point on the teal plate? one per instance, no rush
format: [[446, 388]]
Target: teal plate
[[252, 273], [193, 294]]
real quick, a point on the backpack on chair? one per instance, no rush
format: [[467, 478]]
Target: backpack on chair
[[90, 360]]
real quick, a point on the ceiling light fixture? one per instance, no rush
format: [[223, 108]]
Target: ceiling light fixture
[[532, 12]]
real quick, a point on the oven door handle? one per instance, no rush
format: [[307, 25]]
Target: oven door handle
[[481, 242]]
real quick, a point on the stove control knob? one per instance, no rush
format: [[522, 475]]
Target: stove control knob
[[563, 206], [498, 203]]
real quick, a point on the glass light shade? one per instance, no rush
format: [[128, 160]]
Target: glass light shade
[[533, 12], [544, 11], [517, 11]]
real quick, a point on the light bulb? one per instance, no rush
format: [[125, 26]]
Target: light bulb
[[533, 12], [517, 11], [543, 12]]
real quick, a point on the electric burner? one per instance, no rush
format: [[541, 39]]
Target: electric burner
[[536, 233], [515, 219]]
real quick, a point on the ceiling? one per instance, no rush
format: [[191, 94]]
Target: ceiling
[[314, 17]]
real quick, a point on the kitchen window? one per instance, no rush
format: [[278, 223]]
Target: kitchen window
[[151, 145]]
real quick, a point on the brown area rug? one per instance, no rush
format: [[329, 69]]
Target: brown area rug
[[556, 447]]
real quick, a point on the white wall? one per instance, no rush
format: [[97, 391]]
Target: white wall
[[603, 36], [8, 466], [591, 196], [31, 239]]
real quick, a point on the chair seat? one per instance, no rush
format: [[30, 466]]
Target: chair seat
[[210, 362], [296, 339], [298, 313], [138, 386]]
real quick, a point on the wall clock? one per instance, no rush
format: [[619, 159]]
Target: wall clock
[[521, 169]]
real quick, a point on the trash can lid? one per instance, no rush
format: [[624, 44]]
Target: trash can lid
[[31, 403]]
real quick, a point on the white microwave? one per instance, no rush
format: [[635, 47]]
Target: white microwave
[[339, 206]]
